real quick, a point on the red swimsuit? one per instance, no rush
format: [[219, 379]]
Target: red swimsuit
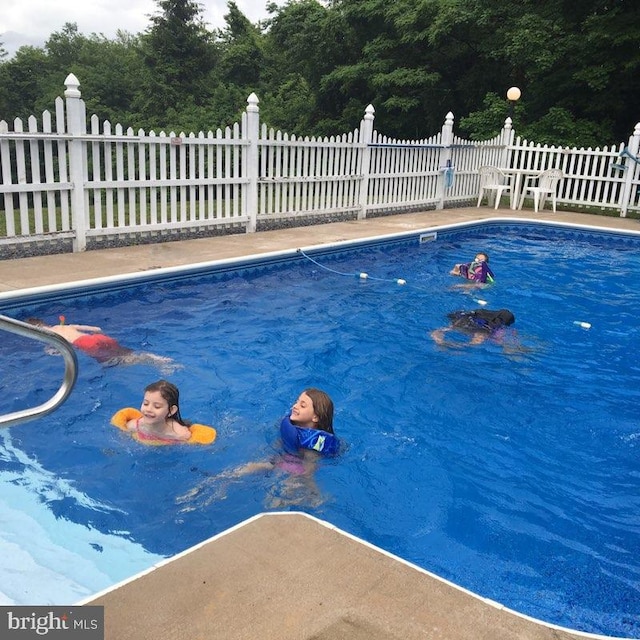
[[100, 346]]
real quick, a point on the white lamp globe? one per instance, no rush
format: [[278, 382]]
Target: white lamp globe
[[514, 94]]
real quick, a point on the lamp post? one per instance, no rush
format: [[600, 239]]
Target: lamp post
[[513, 95]]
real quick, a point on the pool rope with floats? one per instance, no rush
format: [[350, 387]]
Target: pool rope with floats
[[362, 275], [401, 281]]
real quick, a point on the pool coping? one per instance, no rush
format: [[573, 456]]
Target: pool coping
[[132, 277], [251, 603], [289, 575]]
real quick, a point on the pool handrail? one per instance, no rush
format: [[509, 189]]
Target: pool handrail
[[70, 369]]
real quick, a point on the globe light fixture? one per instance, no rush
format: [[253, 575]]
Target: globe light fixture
[[513, 95]]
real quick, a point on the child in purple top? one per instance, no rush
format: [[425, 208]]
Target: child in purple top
[[477, 271]]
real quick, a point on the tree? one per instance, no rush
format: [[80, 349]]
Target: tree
[[242, 58], [179, 55], [316, 64], [24, 80], [107, 69], [304, 42], [582, 70], [290, 107], [606, 84]]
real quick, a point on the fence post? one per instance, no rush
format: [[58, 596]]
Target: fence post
[[633, 167], [75, 121], [444, 163], [252, 160], [366, 136], [506, 140]]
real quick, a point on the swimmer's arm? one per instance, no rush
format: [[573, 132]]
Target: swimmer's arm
[[438, 336], [183, 433], [85, 327]]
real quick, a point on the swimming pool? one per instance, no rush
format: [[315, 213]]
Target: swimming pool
[[512, 475]]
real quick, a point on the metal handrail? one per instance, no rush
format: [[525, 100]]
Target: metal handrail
[[70, 369]]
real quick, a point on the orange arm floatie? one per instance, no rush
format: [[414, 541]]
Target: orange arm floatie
[[201, 434], [120, 418]]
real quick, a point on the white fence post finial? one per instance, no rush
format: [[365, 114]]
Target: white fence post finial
[[633, 172], [506, 139], [72, 83], [366, 138], [252, 161], [507, 130], [75, 120], [445, 162]]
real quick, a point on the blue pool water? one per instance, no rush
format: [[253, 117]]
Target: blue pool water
[[513, 474]]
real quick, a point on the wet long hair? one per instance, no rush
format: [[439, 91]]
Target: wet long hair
[[171, 394], [36, 322], [322, 407], [481, 319]]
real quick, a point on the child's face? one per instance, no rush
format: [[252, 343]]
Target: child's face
[[302, 411], [155, 408], [481, 257]]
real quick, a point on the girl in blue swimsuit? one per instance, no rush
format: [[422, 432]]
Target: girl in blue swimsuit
[[306, 432]]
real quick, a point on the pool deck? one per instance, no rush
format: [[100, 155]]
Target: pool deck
[[24, 273], [288, 576]]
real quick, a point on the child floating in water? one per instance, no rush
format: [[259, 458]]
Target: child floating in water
[[159, 421], [103, 348], [307, 434], [477, 271], [160, 417], [479, 325]]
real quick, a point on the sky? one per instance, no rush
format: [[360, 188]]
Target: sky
[[31, 22]]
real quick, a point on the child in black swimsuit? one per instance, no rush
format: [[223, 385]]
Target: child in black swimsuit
[[479, 324]]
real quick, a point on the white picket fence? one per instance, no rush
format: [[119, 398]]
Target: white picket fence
[[62, 180]]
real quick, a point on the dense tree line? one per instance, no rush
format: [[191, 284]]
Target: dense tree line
[[316, 66]]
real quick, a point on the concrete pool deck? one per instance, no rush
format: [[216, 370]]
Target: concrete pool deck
[[289, 576], [22, 273]]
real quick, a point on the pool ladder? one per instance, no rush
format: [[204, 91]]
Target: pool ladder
[[70, 370]]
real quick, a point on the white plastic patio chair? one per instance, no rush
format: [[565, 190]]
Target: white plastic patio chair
[[547, 186], [492, 179]]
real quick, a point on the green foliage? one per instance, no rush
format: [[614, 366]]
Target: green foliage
[[561, 128], [226, 105], [487, 123], [25, 86], [289, 107], [241, 59], [178, 54], [316, 65]]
